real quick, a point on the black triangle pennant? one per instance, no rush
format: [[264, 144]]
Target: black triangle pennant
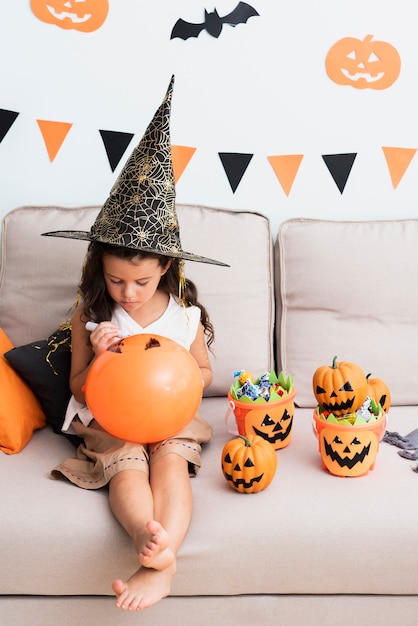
[[115, 144], [235, 164], [7, 119], [340, 166]]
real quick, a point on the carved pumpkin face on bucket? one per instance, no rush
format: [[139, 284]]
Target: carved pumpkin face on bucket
[[348, 450], [272, 421], [348, 453], [82, 15], [363, 63]]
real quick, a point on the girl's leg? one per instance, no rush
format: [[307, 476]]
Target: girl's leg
[[171, 489], [156, 515], [132, 504]]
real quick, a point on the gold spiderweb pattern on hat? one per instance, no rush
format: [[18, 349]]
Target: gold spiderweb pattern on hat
[[140, 211]]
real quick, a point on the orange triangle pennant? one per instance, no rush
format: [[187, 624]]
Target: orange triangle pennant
[[181, 156], [398, 160], [54, 134], [286, 167]]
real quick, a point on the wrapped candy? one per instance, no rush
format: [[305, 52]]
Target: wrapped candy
[[248, 389], [243, 375], [267, 387]]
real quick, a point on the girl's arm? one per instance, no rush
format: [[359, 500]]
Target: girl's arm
[[85, 347], [199, 351]]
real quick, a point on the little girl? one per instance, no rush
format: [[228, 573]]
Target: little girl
[[149, 486], [133, 282]]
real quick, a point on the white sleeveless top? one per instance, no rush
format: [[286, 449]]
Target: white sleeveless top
[[177, 323]]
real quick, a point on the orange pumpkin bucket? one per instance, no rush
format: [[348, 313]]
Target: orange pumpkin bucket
[[273, 421], [348, 450]]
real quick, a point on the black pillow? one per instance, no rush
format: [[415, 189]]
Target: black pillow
[[45, 366]]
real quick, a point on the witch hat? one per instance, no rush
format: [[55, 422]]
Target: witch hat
[[140, 212]]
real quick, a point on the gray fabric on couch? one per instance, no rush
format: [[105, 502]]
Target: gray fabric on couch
[[312, 548]]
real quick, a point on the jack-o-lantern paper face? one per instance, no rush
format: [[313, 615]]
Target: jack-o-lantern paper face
[[274, 424], [350, 452], [363, 64], [83, 15]]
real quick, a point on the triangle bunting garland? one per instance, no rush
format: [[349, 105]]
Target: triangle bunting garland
[[398, 160], [235, 164], [286, 167], [339, 166], [115, 144], [181, 156], [54, 134], [7, 119]]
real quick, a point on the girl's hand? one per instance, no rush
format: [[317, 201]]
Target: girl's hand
[[103, 336]]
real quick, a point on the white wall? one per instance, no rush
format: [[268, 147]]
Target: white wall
[[259, 88]]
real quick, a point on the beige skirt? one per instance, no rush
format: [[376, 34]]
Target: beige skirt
[[102, 455]]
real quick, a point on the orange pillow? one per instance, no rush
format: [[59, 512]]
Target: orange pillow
[[20, 411]]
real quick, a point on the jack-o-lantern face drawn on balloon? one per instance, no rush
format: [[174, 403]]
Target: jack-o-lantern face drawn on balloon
[[83, 15], [363, 64], [349, 452], [274, 424]]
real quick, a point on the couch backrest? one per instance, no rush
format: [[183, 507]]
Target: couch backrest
[[39, 277], [348, 289]]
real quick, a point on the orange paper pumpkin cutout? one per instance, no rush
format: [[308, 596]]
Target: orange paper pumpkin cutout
[[363, 64], [82, 15]]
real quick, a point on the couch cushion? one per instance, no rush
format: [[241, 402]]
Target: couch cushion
[[240, 299], [308, 533], [349, 289], [38, 284], [39, 275]]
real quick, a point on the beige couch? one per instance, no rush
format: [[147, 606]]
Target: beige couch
[[310, 549]]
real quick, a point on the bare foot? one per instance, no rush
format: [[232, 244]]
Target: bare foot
[[156, 552], [145, 588]]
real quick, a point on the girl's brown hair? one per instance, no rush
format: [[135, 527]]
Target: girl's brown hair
[[98, 305]]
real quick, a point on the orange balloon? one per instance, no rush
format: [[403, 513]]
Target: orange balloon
[[145, 388]]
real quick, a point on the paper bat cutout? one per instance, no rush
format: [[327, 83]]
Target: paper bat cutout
[[213, 22]]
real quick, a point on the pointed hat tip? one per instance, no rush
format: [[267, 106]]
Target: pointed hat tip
[[170, 87]]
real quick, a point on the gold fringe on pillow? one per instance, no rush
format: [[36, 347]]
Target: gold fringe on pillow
[[61, 337]]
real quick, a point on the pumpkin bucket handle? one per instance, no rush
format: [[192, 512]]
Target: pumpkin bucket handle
[[314, 428], [229, 412]]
